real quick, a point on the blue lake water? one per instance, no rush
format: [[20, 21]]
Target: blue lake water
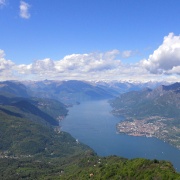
[[93, 124]]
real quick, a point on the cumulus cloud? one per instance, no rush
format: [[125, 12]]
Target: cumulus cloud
[[92, 66], [24, 10], [163, 64], [45, 65], [2, 54], [75, 66], [128, 53], [87, 63], [4, 64], [6, 67], [166, 59]]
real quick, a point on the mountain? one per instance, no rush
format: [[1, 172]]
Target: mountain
[[30, 137], [40, 110], [68, 91], [30, 149], [119, 87], [162, 100], [174, 87], [73, 91], [157, 111], [13, 88], [15, 98], [23, 137], [114, 167]]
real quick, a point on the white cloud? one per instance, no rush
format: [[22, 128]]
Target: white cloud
[[4, 64], [87, 63], [2, 54], [166, 59], [24, 10], [6, 67], [2, 3], [45, 65], [93, 66], [127, 53], [75, 66], [163, 64]]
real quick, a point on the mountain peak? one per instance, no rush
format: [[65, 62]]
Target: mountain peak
[[173, 87]]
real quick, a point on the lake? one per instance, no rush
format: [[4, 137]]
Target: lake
[[92, 124]]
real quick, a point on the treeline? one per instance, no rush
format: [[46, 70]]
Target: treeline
[[85, 166]]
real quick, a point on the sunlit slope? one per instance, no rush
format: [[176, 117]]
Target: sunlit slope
[[27, 129]]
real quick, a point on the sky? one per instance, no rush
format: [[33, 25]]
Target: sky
[[124, 40]]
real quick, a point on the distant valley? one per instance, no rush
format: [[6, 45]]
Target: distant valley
[[73, 91]]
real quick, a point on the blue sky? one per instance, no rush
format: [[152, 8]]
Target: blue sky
[[90, 39]]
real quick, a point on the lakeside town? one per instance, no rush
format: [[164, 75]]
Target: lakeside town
[[153, 126]]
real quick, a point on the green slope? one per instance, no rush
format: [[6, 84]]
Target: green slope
[[86, 167], [114, 167], [20, 136]]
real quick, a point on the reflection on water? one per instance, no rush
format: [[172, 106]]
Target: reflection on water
[[93, 124]]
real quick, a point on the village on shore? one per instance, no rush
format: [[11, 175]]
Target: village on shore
[[153, 126]]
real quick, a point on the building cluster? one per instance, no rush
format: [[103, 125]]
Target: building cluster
[[148, 127]]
